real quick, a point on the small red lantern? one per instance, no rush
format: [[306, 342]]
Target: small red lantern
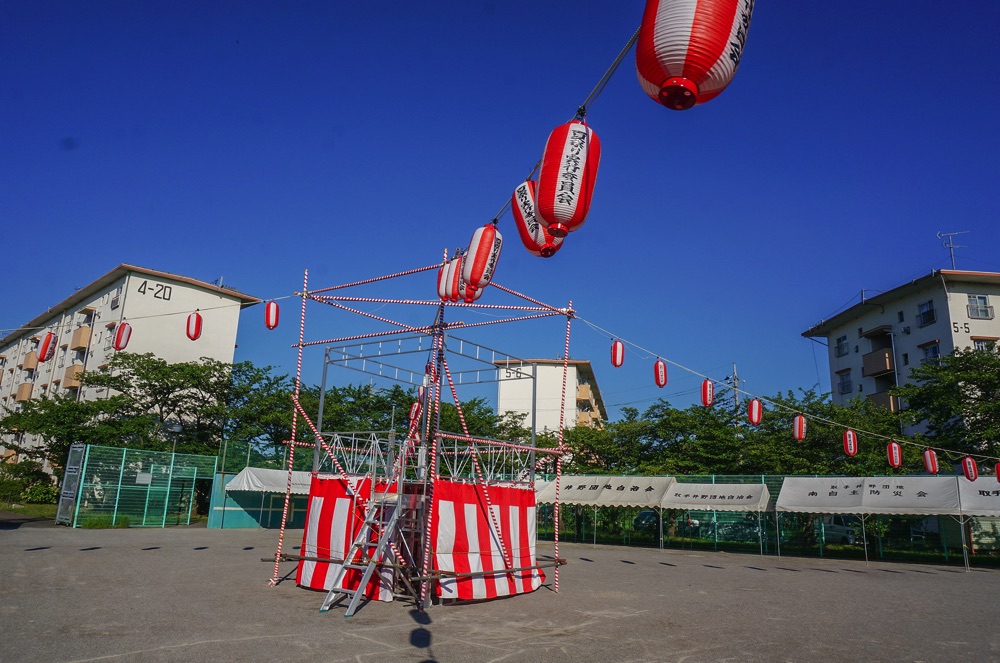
[[799, 427], [430, 368], [895, 454], [688, 52], [534, 235], [122, 335], [755, 412], [707, 392], [969, 468], [422, 393], [850, 442], [930, 461], [194, 326], [481, 259], [566, 177], [271, 314], [415, 411], [47, 348], [660, 373], [617, 353]]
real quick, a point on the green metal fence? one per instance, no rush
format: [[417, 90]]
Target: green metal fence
[[934, 539], [140, 488]]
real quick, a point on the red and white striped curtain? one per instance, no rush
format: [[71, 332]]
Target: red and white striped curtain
[[465, 540], [334, 517]]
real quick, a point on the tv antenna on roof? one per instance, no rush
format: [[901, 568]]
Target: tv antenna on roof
[[950, 243]]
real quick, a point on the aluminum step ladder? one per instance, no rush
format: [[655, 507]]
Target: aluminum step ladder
[[371, 551]]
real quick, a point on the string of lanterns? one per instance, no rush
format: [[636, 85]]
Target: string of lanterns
[[755, 413]]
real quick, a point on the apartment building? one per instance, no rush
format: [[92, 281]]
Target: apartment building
[[155, 304], [584, 405], [873, 345]]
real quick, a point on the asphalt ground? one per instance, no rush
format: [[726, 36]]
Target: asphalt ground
[[192, 594]]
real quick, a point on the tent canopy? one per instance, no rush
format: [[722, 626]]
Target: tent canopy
[[902, 495], [980, 497], [598, 490], [259, 480], [717, 497]]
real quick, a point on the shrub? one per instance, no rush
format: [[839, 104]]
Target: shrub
[[103, 521], [41, 493]]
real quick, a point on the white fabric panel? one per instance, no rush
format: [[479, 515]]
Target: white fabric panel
[[821, 495], [980, 497], [717, 497], [259, 480], [870, 495], [598, 490]]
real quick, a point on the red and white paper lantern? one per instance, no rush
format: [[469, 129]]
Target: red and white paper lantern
[[707, 392], [850, 442], [617, 353], [47, 348], [481, 259], [799, 427], [422, 394], [534, 235], [566, 177], [930, 461], [969, 468], [193, 328], [755, 412], [415, 411], [997, 471], [122, 335], [894, 452], [660, 373], [688, 50], [271, 315]]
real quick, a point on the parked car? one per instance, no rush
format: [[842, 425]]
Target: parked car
[[839, 529], [647, 521]]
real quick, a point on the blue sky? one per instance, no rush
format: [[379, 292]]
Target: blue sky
[[254, 140]]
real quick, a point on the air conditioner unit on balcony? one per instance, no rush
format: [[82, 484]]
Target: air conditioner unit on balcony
[[906, 330], [115, 302]]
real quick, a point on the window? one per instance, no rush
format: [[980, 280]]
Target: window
[[841, 348], [984, 343], [979, 307], [925, 313], [932, 352], [844, 385], [906, 359], [899, 316]]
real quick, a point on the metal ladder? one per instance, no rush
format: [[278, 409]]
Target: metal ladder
[[371, 552]]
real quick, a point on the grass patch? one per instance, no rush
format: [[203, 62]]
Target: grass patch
[[103, 521], [30, 510]]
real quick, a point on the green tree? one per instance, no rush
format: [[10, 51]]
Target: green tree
[[959, 398]]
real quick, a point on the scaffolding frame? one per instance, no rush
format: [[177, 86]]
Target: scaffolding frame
[[401, 473]]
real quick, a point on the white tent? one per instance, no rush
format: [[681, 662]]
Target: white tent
[[980, 497], [259, 480], [909, 495], [716, 497], [597, 490]]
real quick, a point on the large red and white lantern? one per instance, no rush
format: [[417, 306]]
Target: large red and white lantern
[[422, 393], [414, 411], [755, 412], [534, 234], [566, 177], [799, 427], [122, 335], [271, 315], [455, 287], [894, 452], [850, 442], [481, 259], [47, 348], [707, 392], [660, 373], [617, 353], [969, 468], [688, 50], [193, 329], [930, 461]]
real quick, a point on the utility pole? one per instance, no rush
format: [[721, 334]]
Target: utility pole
[[950, 243], [736, 389]]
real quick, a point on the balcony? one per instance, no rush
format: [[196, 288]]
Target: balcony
[[30, 362], [585, 393], [877, 363], [886, 400], [71, 379], [23, 392], [980, 312], [81, 338], [589, 419]]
